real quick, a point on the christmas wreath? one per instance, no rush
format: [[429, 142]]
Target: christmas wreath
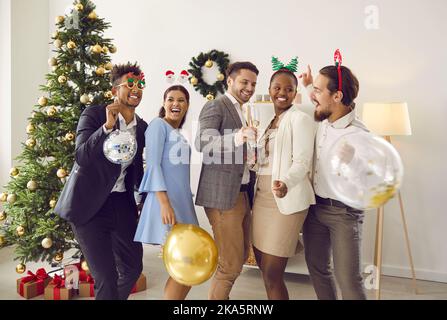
[[207, 60]]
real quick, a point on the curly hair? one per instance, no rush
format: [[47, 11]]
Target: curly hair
[[120, 70]]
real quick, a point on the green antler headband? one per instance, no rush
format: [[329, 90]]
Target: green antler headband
[[292, 66]]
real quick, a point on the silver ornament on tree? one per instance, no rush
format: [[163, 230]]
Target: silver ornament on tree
[[47, 243], [120, 147]]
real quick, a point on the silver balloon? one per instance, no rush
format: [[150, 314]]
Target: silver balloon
[[120, 147]]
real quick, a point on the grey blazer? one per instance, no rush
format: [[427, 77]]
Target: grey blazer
[[223, 162]]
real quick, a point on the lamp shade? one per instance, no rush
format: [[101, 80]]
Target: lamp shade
[[387, 119]]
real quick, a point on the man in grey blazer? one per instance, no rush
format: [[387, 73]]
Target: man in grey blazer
[[226, 186]]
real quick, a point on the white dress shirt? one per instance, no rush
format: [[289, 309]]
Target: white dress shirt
[[238, 107], [326, 136], [120, 186]]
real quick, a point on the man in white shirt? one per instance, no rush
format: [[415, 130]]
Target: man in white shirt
[[333, 229]]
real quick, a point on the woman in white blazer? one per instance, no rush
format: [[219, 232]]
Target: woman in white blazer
[[283, 190]]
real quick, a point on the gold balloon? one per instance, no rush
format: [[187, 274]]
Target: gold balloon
[[220, 77], [3, 216], [84, 266], [194, 81], [209, 63], [59, 257], [92, 15], [209, 97], [190, 254], [20, 231], [14, 172], [20, 268], [61, 173]]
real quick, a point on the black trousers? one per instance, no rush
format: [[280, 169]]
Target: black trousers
[[113, 257]]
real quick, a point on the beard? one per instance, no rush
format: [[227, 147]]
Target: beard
[[321, 115]]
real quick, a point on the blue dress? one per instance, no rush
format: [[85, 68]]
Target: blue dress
[[168, 157]]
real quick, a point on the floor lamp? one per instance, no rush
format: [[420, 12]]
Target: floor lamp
[[388, 119]]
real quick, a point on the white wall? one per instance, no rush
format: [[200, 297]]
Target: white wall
[[5, 89], [403, 60]]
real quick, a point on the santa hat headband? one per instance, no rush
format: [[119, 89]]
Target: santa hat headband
[[170, 76], [338, 60]]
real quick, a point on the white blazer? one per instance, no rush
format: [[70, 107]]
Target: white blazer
[[292, 160]]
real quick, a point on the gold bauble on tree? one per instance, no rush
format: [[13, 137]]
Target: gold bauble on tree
[[100, 71], [3, 216], [52, 62], [52, 203], [60, 19], [31, 143], [55, 34], [20, 231], [31, 185], [92, 15], [97, 49], [113, 49], [85, 99], [69, 136], [209, 63], [108, 94], [194, 81], [79, 7], [209, 97], [14, 172], [221, 77], [71, 45], [42, 101], [61, 173], [20, 268], [51, 111], [30, 128], [2, 240], [108, 66], [84, 266], [59, 257], [47, 243], [58, 43], [62, 79], [3, 197], [105, 49]]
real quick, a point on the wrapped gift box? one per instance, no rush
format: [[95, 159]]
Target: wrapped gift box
[[56, 290], [87, 287], [33, 285]]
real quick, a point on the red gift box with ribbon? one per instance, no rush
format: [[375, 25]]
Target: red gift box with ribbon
[[83, 274], [33, 285], [56, 290], [87, 287]]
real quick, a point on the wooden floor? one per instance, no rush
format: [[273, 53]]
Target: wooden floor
[[248, 286]]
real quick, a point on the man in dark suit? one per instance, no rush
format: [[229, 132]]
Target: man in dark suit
[[226, 184], [98, 198]]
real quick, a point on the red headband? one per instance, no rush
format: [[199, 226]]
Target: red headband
[[338, 61]]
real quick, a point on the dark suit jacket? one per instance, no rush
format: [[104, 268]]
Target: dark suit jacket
[[93, 176]]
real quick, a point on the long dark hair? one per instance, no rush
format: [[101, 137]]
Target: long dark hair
[[162, 112]]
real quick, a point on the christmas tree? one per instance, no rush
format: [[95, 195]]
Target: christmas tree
[[79, 78]]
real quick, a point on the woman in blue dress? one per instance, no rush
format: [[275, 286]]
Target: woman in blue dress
[[167, 179]]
